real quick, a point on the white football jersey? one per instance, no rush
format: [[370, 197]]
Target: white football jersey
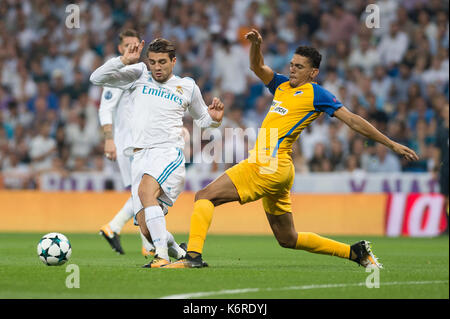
[[157, 109], [115, 109]]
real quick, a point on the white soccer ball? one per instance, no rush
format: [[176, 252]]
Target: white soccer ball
[[54, 249]]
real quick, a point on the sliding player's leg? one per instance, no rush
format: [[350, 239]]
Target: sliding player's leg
[[239, 183], [286, 235], [220, 191], [278, 212]]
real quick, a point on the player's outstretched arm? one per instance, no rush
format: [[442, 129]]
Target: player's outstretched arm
[[114, 73], [363, 127], [257, 65]]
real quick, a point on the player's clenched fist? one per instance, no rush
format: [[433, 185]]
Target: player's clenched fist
[[215, 110], [132, 53], [254, 36]]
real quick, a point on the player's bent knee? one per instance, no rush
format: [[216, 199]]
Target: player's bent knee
[[215, 196], [287, 241], [215, 199], [285, 244], [203, 194]]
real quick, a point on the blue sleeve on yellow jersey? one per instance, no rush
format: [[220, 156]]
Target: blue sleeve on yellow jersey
[[324, 101], [276, 81]]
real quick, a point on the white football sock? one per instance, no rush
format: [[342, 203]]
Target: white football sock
[[175, 250], [156, 224], [124, 215], [145, 243]]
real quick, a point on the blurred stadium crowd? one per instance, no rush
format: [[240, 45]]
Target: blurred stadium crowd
[[396, 76]]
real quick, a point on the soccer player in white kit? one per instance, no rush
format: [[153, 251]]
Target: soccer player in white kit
[[159, 100], [115, 117]]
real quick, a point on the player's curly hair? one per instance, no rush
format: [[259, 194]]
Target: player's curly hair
[[311, 53], [160, 45]]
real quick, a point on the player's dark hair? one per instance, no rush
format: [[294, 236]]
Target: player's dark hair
[[162, 46], [311, 53], [129, 33]]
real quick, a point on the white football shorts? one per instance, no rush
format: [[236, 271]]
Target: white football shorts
[[166, 165]]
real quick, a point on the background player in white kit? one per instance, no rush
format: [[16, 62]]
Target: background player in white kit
[[159, 101], [115, 117]]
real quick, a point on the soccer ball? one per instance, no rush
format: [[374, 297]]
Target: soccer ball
[[54, 249]]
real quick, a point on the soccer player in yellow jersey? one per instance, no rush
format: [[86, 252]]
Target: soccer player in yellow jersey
[[268, 173]]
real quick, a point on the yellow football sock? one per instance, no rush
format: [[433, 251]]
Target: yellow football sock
[[200, 222], [316, 244]]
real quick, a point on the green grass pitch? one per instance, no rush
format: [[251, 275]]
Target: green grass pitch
[[250, 267]]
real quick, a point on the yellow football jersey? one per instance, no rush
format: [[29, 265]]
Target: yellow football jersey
[[291, 111]]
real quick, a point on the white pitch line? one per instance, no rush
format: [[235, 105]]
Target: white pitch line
[[305, 287]]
